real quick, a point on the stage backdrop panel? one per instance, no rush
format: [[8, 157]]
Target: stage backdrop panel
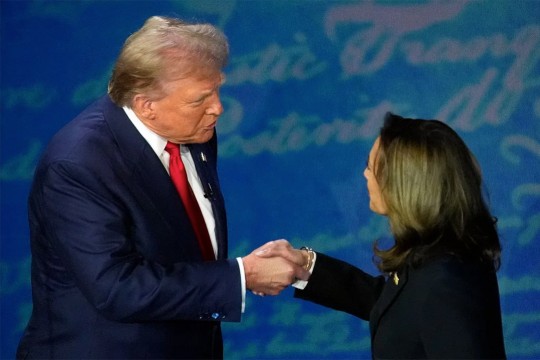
[[307, 86]]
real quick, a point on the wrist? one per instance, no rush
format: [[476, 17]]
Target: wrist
[[248, 270], [308, 255]]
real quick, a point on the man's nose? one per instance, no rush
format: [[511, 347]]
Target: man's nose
[[216, 108]]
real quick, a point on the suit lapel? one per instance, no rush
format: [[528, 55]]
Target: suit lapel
[[392, 289], [154, 183], [148, 179], [205, 163]]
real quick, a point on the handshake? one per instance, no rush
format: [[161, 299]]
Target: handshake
[[274, 266]]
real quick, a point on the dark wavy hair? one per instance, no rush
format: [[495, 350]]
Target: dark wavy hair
[[432, 186]]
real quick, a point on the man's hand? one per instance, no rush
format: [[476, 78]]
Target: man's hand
[[283, 249], [270, 269]]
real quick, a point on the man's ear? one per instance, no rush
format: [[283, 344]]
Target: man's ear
[[143, 107]]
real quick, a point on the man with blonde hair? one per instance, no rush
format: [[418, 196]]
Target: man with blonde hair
[[127, 220]]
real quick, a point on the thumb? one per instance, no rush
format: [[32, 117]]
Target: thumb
[[263, 250], [264, 253]]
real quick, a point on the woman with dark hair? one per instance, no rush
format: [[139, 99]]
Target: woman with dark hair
[[438, 295]]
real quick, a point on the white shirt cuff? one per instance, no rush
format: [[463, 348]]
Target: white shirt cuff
[[243, 282]]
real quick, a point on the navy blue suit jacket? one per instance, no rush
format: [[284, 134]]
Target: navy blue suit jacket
[[116, 268], [444, 309]]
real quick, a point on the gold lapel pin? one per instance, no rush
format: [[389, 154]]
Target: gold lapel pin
[[396, 278]]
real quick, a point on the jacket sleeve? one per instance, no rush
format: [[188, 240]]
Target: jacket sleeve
[[84, 240], [341, 286]]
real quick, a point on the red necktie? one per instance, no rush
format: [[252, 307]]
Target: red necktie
[[180, 181]]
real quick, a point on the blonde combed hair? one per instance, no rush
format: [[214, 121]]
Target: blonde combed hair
[[432, 186], [165, 49]]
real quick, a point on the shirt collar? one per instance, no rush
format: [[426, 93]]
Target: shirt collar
[[156, 142]]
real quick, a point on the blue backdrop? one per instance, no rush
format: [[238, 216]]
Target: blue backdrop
[[307, 86]]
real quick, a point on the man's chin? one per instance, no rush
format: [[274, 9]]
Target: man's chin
[[204, 137], [199, 138]]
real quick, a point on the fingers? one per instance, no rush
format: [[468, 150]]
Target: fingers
[[264, 248], [274, 266], [270, 275], [283, 249], [273, 248], [288, 253]]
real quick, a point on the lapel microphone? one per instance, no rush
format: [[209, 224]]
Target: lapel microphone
[[207, 187]]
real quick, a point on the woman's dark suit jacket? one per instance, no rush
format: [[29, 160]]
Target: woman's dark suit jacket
[[444, 309]]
